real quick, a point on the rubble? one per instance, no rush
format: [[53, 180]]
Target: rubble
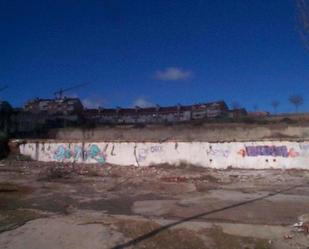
[[302, 226], [174, 179]]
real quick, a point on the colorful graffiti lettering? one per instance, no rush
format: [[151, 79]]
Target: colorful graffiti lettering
[[265, 150], [242, 152], [78, 152], [95, 153], [63, 153], [293, 153]]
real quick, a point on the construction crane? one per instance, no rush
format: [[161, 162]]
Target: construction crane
[[59, 94]]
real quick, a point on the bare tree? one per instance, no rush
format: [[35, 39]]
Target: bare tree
[[302, 8], [296, 100], [275, 105]]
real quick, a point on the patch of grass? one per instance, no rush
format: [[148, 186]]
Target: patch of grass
[[167, 239]]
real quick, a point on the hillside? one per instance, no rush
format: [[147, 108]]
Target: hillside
[[186, 132]]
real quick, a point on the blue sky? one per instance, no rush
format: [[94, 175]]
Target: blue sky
[[153, 51]]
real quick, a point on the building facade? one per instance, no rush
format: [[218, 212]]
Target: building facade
[[55, 106], [157, 114]]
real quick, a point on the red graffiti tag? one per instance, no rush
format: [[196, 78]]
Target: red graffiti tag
[[293, 153]]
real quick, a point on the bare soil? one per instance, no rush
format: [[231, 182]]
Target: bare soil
[[53, 205]]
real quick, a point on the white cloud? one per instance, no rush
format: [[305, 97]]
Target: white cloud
[[142, 102], [173, 74]]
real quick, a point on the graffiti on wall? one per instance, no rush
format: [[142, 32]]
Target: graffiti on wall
[[94, 152], [142, 153], [259, 154], [78, 152], [62, 153], [156, 148], [218, 152], [304, 149], [266, 150], [65, 153]]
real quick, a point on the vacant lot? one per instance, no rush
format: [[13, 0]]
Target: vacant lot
[[89, 206]]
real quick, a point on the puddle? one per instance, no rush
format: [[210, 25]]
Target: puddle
[[121, 205]]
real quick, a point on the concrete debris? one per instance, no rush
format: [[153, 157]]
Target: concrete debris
[[302, 227], [298, 224], [288, 236], [304, 218]]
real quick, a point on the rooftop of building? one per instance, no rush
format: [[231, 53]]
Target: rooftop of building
[[161, 109]]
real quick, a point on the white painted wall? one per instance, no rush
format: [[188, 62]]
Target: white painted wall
[[283, 155]]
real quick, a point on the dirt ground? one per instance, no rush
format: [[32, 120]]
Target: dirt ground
[[54, 205]]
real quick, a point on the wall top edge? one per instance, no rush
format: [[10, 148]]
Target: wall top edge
[[23, 141]]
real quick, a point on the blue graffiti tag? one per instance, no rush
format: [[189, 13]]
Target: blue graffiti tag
[[78, 152], [95, 153], [267, 151], [62, 154]]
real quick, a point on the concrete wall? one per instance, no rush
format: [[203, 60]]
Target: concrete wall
[[258, 155]]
